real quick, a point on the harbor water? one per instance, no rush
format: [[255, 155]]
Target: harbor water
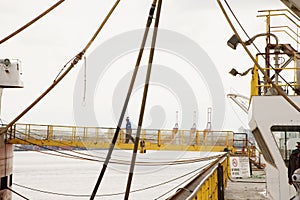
[[59, 177]]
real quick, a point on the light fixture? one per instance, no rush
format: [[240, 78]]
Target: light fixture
[[234, 41], [234, 72]]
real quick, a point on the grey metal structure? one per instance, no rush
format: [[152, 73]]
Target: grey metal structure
[[294, 5]]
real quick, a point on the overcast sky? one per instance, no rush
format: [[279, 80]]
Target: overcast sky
[[45, 47]]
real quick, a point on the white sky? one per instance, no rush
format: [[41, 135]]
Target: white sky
[[47, 45]]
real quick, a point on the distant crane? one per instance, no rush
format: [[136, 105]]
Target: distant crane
[[194, 126], [176, 122], [208, 125]]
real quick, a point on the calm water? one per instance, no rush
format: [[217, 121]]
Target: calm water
[[77, 176]]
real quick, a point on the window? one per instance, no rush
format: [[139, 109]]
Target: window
[[286, 138], [3, 184]]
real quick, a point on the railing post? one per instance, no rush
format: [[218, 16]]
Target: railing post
[[74, 134], [13, 133], [204, 137], [173, 134], [49, 132], [227, 138], [27, 131], [220, 182], [143, 134], [158, 138], [85, 133], [97, 133], [182, 137], [121, 136]]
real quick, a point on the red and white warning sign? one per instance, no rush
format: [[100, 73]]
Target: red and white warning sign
[[239, 167], [234, 162]]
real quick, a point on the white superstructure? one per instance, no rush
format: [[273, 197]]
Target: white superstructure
[[274, 110], [10, 73], [276, 127]]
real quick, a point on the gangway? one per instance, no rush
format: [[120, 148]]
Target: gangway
[[100, 137]]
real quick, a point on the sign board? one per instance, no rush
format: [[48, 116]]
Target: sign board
[[239, 167]]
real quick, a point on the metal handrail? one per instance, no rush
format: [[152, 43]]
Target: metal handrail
[[257, 84], [295, 21], [208, 175], [278, 31], [73, 134], [280, 14], [281, 10]]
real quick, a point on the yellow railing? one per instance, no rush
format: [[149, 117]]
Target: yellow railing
[[209, 184], [99, 137], [282, 72], [288, 79], [210, 187], [292, 30]]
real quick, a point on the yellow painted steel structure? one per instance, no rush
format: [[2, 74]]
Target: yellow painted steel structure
[[209, 187], [209, 184], [96, 137], [254, 81], [259, 87]]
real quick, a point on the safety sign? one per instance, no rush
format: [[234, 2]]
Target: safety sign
[[239, 167]]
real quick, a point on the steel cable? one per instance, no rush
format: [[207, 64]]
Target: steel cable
[[77, 58], [17, 193], [181, 183], [31, 22], [119, 193], [125, 105], [144, 99]]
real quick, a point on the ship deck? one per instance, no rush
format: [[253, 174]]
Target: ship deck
[[253, 188]]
